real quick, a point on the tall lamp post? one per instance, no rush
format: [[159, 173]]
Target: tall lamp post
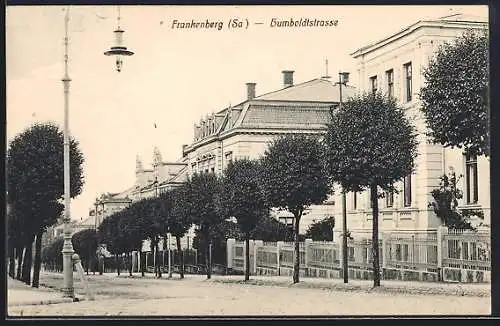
[[67, 250], [343, 80]]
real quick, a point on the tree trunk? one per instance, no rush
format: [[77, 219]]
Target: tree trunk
[[208, 258], [247, 256], [375, 249], [28, 261], [117, 264], [12, 265], [296, 262], [19, 254], [88, 260], [181, 269], [38, 259], [129, 258], [12, 259], [142, 262], [153, 255], [157, 259]]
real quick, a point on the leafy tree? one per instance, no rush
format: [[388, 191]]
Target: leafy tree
[[242, 197], [445, 203], [270, 229], [109, 234], [154, 225], [35, 184], [85, 245], [293, 178], [203, 190], [455, 97], [321, 230], [134, 233], [370, 144], [179, 219], [51, 255]]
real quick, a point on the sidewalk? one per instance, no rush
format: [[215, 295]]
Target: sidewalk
[[388, 286], [21, 294]]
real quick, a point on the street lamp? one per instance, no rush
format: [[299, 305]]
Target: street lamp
[[119, 49], [67, 250], [343, 80]]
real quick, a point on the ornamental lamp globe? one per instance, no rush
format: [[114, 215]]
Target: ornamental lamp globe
[[118, 49]]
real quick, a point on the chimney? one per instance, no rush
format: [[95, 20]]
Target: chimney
[[250, 90], [287, 78]]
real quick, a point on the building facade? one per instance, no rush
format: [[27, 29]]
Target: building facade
[[394, 66]]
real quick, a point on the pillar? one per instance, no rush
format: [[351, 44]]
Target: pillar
[[278, 248], [230, 252], [257, 244]]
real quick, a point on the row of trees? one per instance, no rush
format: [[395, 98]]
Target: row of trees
[[35, 193], [369, 144]]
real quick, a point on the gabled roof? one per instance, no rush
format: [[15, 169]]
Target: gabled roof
[[450, 20]]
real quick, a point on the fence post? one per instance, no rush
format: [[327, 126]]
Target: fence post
[[384, 251], [340, 252], [229, 252], [307, 254], [279, 244], [439, 236], [250, 255], [256, 245]]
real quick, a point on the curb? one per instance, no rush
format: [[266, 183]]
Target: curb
[[359, 288]]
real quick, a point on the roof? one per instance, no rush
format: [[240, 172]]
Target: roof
[[450, 20], [284, 116], [304, 106], [88, 221], [316, 90]]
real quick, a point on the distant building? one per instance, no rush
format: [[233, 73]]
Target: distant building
[[394, 66]]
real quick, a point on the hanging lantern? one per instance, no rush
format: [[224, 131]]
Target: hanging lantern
[[119, 49]]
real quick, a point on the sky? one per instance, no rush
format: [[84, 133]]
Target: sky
[[176, 76]]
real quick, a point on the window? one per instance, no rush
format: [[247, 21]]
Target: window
[[407, 190], [390, 82], [354, 200], [408, 84], [373, 84], [212, 170], [389, 198], [471, 178]]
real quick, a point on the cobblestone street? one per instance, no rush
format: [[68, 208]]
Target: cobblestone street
[[196, 296]]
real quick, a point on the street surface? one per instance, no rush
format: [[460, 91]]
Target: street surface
[[197, 296]]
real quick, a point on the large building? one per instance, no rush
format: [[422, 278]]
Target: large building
[[246, 129], [394, 66], [241, 131]]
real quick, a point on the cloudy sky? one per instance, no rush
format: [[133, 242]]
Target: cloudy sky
[[176, 75]]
